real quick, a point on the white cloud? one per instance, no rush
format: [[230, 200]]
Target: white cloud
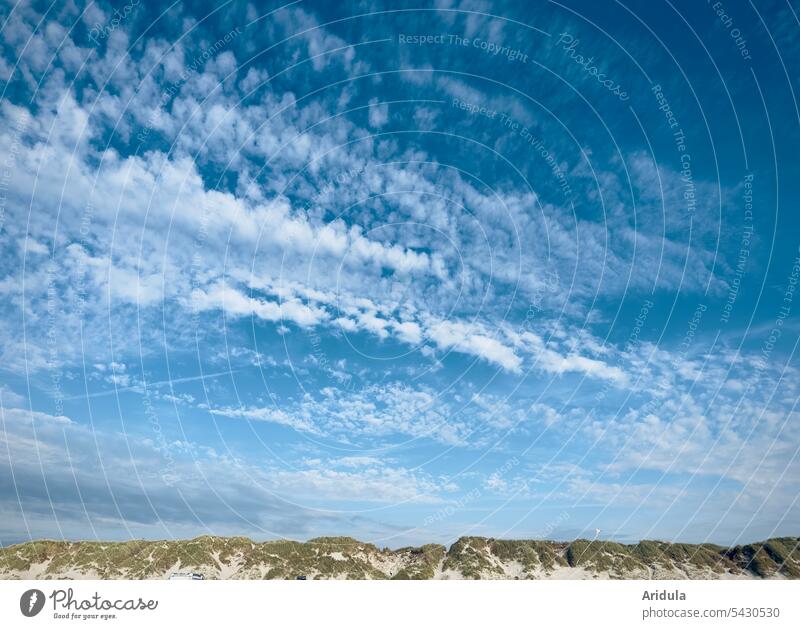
[[235, 304], [26, 416], [9, 398], [272, 415], [464, 338], [409, 332], [378, 114], [70, 481]]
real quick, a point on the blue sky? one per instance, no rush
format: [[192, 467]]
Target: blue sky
[[401, 271]]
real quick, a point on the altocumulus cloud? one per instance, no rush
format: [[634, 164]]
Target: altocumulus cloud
[[273, 271]]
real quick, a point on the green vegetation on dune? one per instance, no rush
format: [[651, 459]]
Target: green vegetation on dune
[[531, 554], [421, 563], [348, 558], [472, 557], [779, 555]]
